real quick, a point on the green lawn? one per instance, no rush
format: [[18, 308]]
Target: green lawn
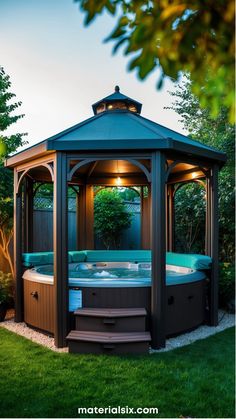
[[196, 381]]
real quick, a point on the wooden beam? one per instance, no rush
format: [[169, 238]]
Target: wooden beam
[[91, 168], [104, 155], [158, 293], [19, 299], [28, 154], [111, 181], [185, 176], [60, 245], [36, 162], [188, 159]]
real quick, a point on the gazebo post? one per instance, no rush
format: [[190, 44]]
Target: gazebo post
[[19, 298], [214, 246], [28, 216], [145, 220], [78, 194], [170, 218], [208, 217], [85, 217], [60, 244], [158, 292]]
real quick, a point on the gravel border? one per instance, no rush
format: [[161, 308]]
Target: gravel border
[[23, 330], [226, 320]]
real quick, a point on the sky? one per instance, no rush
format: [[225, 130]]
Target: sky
[[59, 68]]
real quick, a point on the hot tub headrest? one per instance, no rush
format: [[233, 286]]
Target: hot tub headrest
[[37, 258], [46, 258], [193, 261]]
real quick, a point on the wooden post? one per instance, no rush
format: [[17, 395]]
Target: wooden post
[[208, 217], [158, 294], [170, 218], [146, 222], [214, 248], [78, 219], [86, 217], [141, 218], [19, 297], [60, 244], [28, 215]]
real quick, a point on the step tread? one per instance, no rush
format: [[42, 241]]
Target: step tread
[[111, 312], [107, 337]]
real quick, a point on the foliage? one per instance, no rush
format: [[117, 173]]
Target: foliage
[[6, 288], [9, 144], [226, 284], [192, 36], [110, 217], [216, 133], [190, 218], [129, 194], [184, 382]]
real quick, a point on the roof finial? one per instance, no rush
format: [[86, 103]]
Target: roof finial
[[117, 89]]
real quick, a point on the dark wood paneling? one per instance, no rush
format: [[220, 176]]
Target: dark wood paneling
[[43, 237], [39, 308], [116, 297], [185, 309]]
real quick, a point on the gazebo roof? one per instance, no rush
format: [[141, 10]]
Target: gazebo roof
[[119, 129]]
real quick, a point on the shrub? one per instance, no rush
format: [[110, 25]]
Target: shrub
[[226, 284], [7, 288], [110, 217]]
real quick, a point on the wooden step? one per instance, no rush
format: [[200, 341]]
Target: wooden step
[[111, 312], [103, 342], [111, 320]]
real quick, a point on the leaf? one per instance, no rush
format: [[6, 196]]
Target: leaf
[[173, 10], [160, 82], [119, 44]]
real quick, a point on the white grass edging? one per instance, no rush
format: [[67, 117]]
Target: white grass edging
[[226, 320]]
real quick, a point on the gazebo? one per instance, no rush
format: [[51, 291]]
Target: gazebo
[[116, 146]]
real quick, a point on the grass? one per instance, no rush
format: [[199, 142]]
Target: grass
[[196, 381]]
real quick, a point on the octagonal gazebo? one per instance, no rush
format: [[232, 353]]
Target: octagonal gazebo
[[115, 146]]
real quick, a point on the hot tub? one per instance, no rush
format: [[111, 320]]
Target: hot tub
[[116, 285]]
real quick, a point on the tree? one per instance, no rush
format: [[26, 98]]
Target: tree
[[192, 36], [190, 218], [218, 133], [110, 217], [9, 144]]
